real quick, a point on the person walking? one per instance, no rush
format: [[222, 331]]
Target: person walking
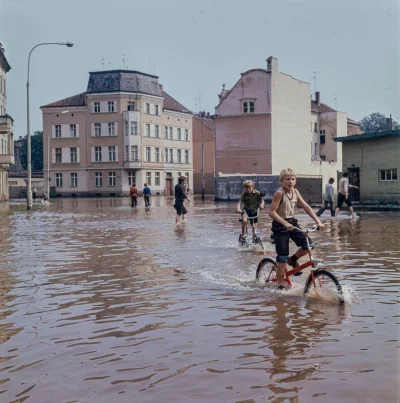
[[343, 195], [329, 199], [146, 195], [134, 193], [180, 196], [34, 194]]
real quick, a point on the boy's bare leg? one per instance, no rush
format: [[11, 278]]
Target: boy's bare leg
[[244, 223], [301, 252], [183, 217], [336, 211], [254, 230], [280, 272], [177, 219], [351, 210]]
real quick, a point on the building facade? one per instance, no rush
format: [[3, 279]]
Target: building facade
[[373, 163], [6, 129], [267, 122], [203, 132], [125, 129]]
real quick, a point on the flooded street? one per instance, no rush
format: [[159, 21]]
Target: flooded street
[[100, 302]]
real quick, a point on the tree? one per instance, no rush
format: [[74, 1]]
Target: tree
[[375, 122], [36, 152]]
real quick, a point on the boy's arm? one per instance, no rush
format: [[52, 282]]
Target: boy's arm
[[276, 200], [239, 205], [262, 202], [309, 211]]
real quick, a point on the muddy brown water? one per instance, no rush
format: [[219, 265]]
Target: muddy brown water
[[100, 302]]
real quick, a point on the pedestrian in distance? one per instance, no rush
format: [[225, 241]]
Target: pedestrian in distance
[[34, 194], [180, 196], [329, 199], [134, 194], [343, 195], [146, 195]]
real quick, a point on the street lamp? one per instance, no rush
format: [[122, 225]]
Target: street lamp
[[28, 124]]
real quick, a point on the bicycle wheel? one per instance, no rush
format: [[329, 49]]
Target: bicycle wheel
[[266, 270], [326, 284]]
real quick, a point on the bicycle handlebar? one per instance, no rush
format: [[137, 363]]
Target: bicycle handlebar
[[252, 217], [313, 229]]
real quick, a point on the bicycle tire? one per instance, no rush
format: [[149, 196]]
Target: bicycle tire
[[319, 273], [267, 266]]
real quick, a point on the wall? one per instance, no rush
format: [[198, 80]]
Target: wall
[[203, 126], [243, 144], [370, 156]]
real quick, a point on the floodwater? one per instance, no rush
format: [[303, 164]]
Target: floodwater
[[100, 302]]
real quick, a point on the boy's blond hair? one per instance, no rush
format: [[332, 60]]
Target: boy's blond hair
[[248, 183], [285, 172]]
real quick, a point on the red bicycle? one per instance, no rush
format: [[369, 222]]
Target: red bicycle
[[319, 280]]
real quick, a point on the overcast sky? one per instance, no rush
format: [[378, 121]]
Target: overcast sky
[[195, 46]]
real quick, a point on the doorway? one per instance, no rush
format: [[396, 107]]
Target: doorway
[[168, 186], [354, 179]]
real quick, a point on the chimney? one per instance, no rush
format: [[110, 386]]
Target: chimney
[[272, 64], [389, 123], [161, 87], [20, 137], [317, 97]]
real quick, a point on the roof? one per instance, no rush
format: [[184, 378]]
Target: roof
[[208, 122], [101, 82], [368, 136], [352, 122], [3, 60], [320, 108], [172, 104], [75, 100]]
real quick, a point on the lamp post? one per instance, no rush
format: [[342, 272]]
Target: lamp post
[[28, 123], [202, 159]]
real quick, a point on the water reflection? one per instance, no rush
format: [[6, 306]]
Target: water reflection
[[100, 301]]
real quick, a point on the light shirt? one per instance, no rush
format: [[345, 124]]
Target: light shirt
[[329, 192], [344, 186], [287, 206]]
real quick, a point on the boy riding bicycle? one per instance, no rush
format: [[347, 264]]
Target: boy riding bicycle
[[282, 213], [250, 201]]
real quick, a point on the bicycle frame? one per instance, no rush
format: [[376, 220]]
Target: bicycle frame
[[251, 219]]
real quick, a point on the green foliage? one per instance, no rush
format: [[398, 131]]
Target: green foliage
[[375, 122], [37, 152]]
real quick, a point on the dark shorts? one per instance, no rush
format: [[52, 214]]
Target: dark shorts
[[251, 214], [342, 198], [282, 236], [179, 207]]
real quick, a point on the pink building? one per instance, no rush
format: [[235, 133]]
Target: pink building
[[267, 122]]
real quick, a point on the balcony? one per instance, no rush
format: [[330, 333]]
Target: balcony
[[6, 159], [132, 163]]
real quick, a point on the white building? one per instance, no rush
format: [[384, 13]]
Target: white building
[[125, 129]]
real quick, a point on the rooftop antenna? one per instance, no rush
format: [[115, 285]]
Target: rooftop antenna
[[335, 99], [195, 103], [102, 63], [127, 65], [123, 61], [199, 101]]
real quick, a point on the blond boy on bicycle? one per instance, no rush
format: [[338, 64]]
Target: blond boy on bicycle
[[250, 201], [282, 212]]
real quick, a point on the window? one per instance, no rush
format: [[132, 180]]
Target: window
[[166, 155], [316, 127], [126, 123], [148, 178], [58, 155], [72, 130], [97, 107], [111, 153], [170, 133], [148, 155], [157, 179], [157, 154], [322, 132], [147, 108], [98, 179], [133, 128], [179, 174], [111, 129], [59, 180], [97, 154], [131, 106], [166, 132], [186, 134], [322, 138], [111, 106], [157, 131], [171, 155], [147, 129], [134, 153], [187, 156], [179, 134], [74, 180], [187, 178], [131, 178], [156, 109], [126, 153], [58, 130], [388, 174], [74, 154], [323, 157], [179, 156], [248, 107], [111, 179], [97, 129]]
